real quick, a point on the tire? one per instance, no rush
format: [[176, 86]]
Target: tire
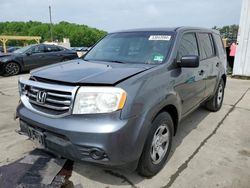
[[215, 103], [12, 68], [65, 59], [1, 70], [151, 162]]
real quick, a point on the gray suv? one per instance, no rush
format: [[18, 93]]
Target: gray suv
[[120, 105]]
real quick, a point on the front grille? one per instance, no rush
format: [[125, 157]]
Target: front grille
[[58, 101]]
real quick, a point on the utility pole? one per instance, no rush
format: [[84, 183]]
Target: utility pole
[[51, 33]]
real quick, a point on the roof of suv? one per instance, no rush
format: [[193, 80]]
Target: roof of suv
[[183, 28]]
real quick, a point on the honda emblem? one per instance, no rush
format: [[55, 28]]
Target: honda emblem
[[41, 97]]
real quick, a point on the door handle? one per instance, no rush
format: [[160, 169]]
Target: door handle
[[217, 64], [201, 72]]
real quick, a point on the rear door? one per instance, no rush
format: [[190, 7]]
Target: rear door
[[209, 58], [52, 54], [192, 80]]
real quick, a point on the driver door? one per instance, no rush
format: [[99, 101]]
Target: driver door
[[191, 81], [34, 57]]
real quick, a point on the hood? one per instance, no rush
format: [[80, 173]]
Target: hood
[[5, 55], [84, 72]]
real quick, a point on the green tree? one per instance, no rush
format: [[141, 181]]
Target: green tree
[[79, 35], [228, 31]]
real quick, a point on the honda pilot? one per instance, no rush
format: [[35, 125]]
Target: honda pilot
[[120, 105]]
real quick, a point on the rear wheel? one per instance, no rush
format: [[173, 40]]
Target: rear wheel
[[215, 103], [12, 68], [157, 146]]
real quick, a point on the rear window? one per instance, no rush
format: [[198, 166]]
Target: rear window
[[207, 47], [61, 48], [52, 48], [219, 44]]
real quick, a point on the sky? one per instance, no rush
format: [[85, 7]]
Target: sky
[[113, 15]]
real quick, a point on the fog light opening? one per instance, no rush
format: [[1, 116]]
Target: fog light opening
[[97, 154]]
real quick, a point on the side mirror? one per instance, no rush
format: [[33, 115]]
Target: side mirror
[[189, 61], [28, 53]]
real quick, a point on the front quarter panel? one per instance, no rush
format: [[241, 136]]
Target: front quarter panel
[[15, 58], [149, 92]]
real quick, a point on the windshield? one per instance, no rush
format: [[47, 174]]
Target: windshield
[[132, 47], [24, 49]]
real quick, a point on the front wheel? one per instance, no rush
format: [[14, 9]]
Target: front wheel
[[215, 103], [12, 68], [66, 59], [157, 146]]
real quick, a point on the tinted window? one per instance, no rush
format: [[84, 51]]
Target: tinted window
[[188, 45], [132, 47], [61, 48], [52, 48], [37, 49], [219, 44], [25, 49], [207, 48]]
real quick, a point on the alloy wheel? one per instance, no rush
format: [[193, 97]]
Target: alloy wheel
[[12, 68]]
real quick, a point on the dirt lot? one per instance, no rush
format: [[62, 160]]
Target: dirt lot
[[210, 149]]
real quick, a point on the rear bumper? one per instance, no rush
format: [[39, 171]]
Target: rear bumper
[[75, 136]]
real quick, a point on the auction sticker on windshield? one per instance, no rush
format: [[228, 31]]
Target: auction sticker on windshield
[[159, 37], [158, 58]]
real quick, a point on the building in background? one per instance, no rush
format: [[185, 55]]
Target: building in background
[[242, 57], [65, 43]]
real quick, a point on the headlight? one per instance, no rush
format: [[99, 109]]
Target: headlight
[[92, 100], [4, 59], [21, 88]]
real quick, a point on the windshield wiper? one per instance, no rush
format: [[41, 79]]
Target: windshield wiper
[[105, 60], [116, 61]]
